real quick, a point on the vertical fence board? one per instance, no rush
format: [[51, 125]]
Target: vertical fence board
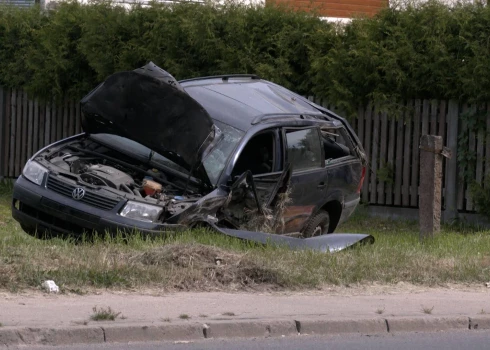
[[42, 119], [472, 148], [71, 118], [30, 128], [367, 142], [399, 161], [461, 199], [18, 133], [374, 158], [59, 121], [391, 159], [360, 125], [24, 130], [3, 140], [66, 119], [406, 165], [47, 124], [442, 132], [451, 172], [425, 120], [487, 143], [442, 121], [414, 190], [382, 156], [54, 121], [480, 156], [6, 132], [78, 129], [433, 117], [35, 126]]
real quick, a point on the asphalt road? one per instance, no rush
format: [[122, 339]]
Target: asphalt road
[[457, 340]]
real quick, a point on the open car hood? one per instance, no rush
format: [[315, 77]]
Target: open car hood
[[149, 106]]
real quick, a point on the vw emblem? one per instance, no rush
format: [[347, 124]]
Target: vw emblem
[[78, 193]]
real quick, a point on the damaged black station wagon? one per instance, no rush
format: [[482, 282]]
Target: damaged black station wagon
[[241, 155]]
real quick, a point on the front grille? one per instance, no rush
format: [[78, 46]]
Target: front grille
[[58, 225], [91, 198], [49, 204]]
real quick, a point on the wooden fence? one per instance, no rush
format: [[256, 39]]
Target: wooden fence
[[26, 125], [392, 144]]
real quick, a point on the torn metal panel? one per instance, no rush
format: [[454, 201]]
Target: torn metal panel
[[326, 243]]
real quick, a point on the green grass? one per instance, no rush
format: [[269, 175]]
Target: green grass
[[101, 314], [186, 261]]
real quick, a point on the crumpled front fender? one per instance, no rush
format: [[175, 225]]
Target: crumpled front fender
[[326, 243]]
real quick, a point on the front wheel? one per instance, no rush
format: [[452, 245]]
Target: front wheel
[[318, 225]]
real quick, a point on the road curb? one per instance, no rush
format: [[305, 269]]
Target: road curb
[[51, 336], [480, 322], [322, 326], [427, 324], [190, 331], [250, 329], [120, 334]]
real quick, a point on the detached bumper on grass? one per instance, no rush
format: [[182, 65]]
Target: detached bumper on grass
[[326, 243]]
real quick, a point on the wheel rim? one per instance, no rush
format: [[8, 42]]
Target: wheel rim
[[317, 231]]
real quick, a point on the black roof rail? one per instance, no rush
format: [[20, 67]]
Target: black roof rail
[[266, 116], [223, 77]]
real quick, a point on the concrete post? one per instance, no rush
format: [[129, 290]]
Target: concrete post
[[430, 185]]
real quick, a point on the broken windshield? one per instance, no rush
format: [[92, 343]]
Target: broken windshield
[[215, 161]]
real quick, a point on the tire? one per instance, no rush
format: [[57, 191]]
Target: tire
[[317, 225]]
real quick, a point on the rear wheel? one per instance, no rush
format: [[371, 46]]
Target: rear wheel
[[318, 225]]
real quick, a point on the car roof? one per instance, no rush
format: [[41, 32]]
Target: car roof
[[245, 100]]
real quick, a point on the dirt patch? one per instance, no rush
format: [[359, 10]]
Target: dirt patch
[[201, 267]]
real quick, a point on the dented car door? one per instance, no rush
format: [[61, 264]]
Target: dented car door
[[303, 150]]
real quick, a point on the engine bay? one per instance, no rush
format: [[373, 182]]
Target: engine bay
[[98, 167]]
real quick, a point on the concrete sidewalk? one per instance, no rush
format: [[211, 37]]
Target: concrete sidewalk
[[61, 319]]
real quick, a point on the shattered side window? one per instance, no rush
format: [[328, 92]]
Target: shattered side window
[[304, 149], [216, 160], [336, 143]]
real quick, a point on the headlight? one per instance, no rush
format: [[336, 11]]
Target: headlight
[[141, 211], [33, 171]]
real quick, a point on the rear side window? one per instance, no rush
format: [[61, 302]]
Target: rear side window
[[336, 143], [304, 149]]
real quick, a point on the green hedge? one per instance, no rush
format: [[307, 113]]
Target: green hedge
[[75, 46], [424, 51]]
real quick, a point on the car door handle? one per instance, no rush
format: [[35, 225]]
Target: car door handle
[[322, 185]]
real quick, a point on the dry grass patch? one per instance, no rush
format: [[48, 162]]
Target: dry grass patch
[[195, 268], [427, 310]]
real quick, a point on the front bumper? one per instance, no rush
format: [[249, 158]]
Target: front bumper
[[38, 209]]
